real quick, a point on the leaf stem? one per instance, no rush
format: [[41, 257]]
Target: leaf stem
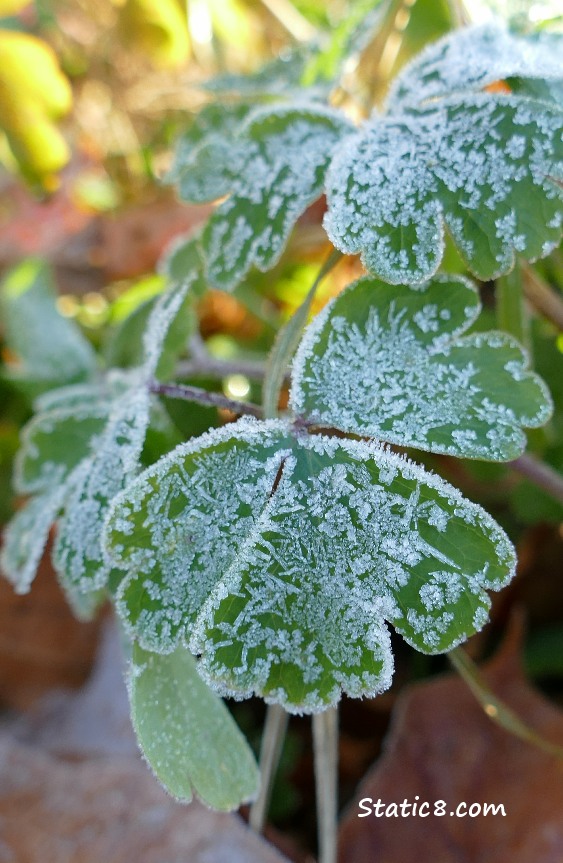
[[541, 474], [494, 707], [542, 297], [273, 736], [206, 398], [325, 744], [287, 340]]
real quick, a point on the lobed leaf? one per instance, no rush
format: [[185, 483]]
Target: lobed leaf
[[186, 732], [390, 362], [485, 168], [278, 558], [274, 169]]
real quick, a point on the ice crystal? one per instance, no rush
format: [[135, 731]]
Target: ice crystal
[[389, 362], [400, 182], [279, 559]]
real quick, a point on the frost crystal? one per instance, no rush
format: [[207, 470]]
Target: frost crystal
[[279, 559], [389, 362]]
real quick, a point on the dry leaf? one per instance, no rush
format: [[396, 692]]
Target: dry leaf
[[442, 746]]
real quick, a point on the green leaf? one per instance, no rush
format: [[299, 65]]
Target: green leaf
[[274, 169], [471, 58], [25, 537], [49, 348], [279, 556], [53, 443], [390, 362], [483, 167], [186, 732]]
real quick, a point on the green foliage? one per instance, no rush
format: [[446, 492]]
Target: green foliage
[[187, 734]]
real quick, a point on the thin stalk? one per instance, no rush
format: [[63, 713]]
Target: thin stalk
[[541, 474], [203, 397], [325, 746], [287, 340], [496, 709], [273, 736], [510, 307], [542, 297]]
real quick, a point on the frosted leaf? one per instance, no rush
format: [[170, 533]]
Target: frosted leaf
[[53, 443], [167, 329], [390, 362], [283, 584], [203, 499], [208, 137], [471, 58], [26, 535], [49, 348], [77, 555], [186, 732], [483, 167], [80, 396], [276, 167], [182, 261]]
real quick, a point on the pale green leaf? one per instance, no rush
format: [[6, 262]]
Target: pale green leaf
[[391, 362], [485, 168], [49, 349], [186, 732], [278, 557]]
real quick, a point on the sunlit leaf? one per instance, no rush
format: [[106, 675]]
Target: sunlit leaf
[[49, 349], [187, 734], [390, 362], [278, 558]]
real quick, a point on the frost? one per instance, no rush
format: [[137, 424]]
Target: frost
[[386, 362], [472, 58], [278, 559], [273, 169], [400, 182]]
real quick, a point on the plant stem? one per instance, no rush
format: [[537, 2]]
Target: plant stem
[[287, 340], [203, 397], [273, 736], [511, 312], [496, 709], [542, 297], [541, 474], [215, 368], [325, 744]]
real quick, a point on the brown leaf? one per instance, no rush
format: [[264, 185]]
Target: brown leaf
[[108, 811], [442, 746]]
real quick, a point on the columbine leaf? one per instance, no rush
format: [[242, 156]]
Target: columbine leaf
[[472, 58], [483, 167], [274, 169], [50, 349], [187, 734], [283, 580], [26, 535], [53, 443], [388, 362]]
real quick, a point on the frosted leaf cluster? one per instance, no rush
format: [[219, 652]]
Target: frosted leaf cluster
[[273, 168], [279, 558], [390, 362], [79, 451], [472, 58], [480, 166]]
